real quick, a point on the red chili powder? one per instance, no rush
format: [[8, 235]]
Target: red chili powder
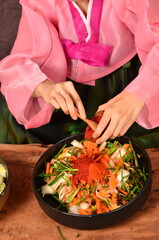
[[82, 164]]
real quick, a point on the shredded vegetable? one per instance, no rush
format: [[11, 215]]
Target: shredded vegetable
[[88, 178]]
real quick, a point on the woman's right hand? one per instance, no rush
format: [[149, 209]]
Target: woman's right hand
[[61, 95]]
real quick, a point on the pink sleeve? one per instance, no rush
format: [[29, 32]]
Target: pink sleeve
[[142, 19], [146, 87], [20, 72]]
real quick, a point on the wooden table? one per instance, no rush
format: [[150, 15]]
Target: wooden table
[[22, 218]]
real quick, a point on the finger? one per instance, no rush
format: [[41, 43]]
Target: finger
[[102, 124], [119, 128], [54, 103], [125, 128], [109, 132], [62, 102], [71, 107], [78, 103], [79, 106], [65, 91]]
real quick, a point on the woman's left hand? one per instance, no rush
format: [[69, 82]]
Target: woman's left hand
[[119, 114]]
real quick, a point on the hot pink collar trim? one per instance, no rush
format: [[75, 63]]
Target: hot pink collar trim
[[95, 10], [90, 52]]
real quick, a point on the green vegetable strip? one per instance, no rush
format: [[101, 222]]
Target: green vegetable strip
[[56, 179], [61, 167], [59, 230], [72, 196], [60, 151]]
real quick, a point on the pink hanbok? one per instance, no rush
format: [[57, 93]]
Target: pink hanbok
[[56, 41]]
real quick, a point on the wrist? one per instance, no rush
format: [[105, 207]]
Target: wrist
[[40, 88]]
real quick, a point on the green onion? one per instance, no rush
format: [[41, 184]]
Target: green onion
[[134, 155], [59, 230], [72, 196], [60, 151], [118, 168], [66, 178], [56, 179], [60, 167]]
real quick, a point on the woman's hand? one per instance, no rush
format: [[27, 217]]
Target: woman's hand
[[61, 95], [118, 115]]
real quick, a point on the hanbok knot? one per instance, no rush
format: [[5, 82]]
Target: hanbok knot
[[92, 53]]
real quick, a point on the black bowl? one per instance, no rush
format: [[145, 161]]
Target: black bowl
[[98, 221]]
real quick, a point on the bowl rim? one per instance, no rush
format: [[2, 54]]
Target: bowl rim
[[39, 197], [4, 163]]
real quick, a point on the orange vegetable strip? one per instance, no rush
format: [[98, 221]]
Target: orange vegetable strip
[[79, 194], [104, 162], [47, 168], [114, 197], [97, 201], [125, 145], [112, 181], [122, 191], [120, 162], [103, 194], [102, 208], [99, 157], [75, 201], [91, 147], [72, 157], [87, 211], [51, 170]]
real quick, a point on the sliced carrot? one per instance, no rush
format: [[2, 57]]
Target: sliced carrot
[[119, 162], [74, 202], [114, 197], [102, 208], [91, 147], [51, 170], [87, 211], [98, 158], [103, 194], [125, 145], [79, 194], [122, 191], [72, 157], [124, 202], [105, 162], [97, 200], [47, 168], [112, 181]]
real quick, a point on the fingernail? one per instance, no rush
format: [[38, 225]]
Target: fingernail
[[94, 135], [74, 117], [83, 115]]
